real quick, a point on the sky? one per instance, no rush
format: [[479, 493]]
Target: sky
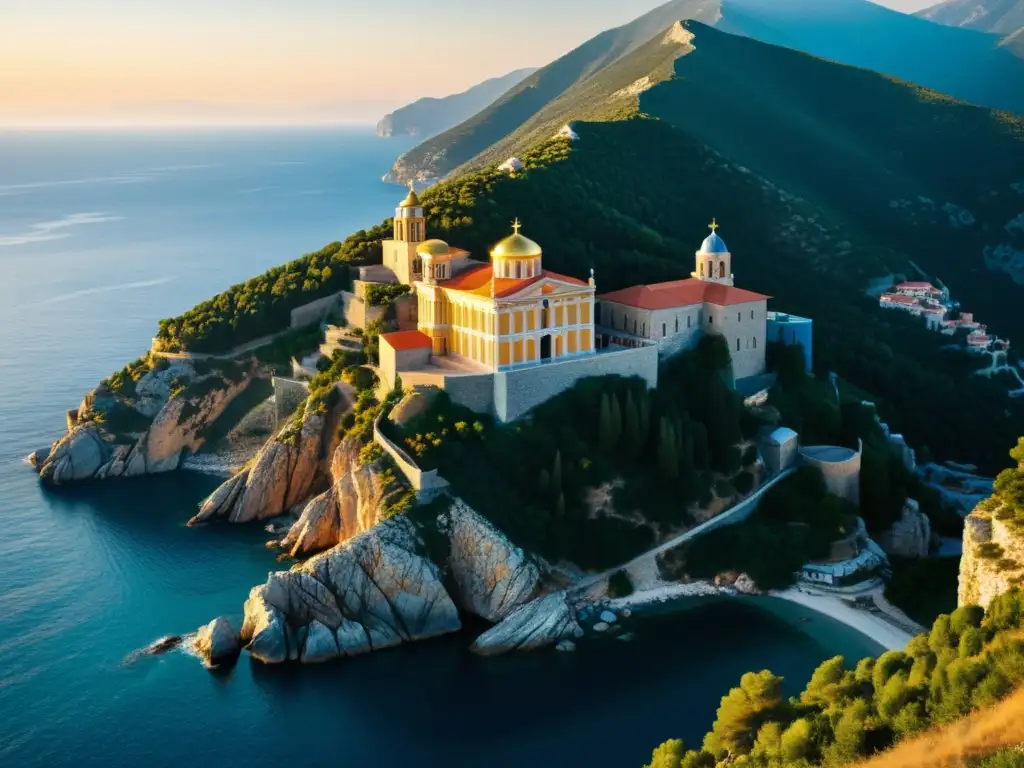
[[82, 62]]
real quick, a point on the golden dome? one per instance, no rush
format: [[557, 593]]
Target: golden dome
[[411, 200], [516, 246], [433, 247]]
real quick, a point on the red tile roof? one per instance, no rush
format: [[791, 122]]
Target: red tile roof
[[897, 298], [917, 286], [479, 279], [402, 340], [682, 293]]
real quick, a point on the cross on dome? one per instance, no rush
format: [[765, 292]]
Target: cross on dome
[[412, 185], [516, 226], [713, 226]]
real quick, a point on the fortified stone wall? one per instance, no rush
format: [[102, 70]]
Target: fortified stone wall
[[519, 391], [315, 311], [474, 391], [840, 468], [427, 484]]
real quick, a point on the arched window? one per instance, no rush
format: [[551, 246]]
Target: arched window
[[545, 314], [677, 323], [737, 343], [721, 269], [702, 269], [755, 342], [664, 330], [751, 314], [689, 320], [739, 317]]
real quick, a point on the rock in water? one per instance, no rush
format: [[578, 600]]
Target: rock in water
[[492, 576], [375, 591], [607, 617], [281, 475], [217, 642], [537, 624]]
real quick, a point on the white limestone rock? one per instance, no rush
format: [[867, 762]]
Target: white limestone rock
[[492, 576], [79, 455], [601, 626], [911, 535], [378, 584], [281, 475], [992, 561], [745, 585], [539, 623], [608, 617], [217, 642]]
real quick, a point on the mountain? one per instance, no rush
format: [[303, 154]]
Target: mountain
[[430, 116], [1003, 17], [963, 63]]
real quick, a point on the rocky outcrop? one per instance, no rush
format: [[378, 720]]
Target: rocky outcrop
[[90, 451], [491, 575], [911, 535], [376, 591], [353, 504], [537, 624], [993, 557], [217, 642], [281, 476]]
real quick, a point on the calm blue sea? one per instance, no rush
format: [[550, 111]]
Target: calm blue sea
[[102, 234]]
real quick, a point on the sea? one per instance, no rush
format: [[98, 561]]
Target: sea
[[102, 233]]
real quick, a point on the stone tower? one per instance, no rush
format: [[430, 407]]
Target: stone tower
[[714, 262], [400, 254]]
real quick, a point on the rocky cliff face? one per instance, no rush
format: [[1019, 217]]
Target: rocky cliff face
[[91, 450], [376, 591], [352, 505], [281, 476], [993, 558], [385, 586], [911, 535]]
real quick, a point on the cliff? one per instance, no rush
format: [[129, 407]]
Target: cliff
[[354, 503], [280, 476], [993, 558], [429, 116], [143, 429], [402, 580]]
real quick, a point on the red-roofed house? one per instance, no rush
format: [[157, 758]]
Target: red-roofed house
[[919, 290], [676, 314]]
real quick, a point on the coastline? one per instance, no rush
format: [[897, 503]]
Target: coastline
[[890, 637], [679, 597]]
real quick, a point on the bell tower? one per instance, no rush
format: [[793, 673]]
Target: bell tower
[[714, 262], [410, 230]]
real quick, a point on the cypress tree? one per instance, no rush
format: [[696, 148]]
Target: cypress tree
[[556, 474], [632, 430], [700, 445], [668, 457], [560, 506], [605, 428], [544, 481], [616, 421], [645, 418]]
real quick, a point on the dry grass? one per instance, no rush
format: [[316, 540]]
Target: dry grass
[[969, 739]]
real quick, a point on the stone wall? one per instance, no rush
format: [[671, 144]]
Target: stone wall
[[840, 468], [743, 326], [427, 484], [395, 361], [474, 391], [315, 311], [519, 391]]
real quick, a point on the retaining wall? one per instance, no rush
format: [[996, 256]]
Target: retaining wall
[[427, 484]]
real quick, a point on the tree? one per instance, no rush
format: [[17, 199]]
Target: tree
[[632, 434], [742, 712], [616, 421], [797, 742], [849, 735], [668, 455], [668, 755], [556, 473], [606, 431]]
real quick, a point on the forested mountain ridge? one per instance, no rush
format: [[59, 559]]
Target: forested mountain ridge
[[429, 116], [965, 63], [1003, 17]]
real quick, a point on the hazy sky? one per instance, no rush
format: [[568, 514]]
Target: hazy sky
[[100, 61]]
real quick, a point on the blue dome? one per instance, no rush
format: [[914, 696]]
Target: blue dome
[[714, 244]]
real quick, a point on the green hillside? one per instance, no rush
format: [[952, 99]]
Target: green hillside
[[968, 64]]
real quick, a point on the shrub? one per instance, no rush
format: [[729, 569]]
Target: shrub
[[620, 585]]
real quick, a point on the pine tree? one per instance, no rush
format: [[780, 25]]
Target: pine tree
[[560, 506], [544, 481], [700, 445], [645, 419], [632, 431]]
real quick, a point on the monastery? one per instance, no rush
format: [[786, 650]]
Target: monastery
[[504, 336]]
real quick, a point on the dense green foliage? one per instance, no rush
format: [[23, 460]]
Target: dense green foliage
[[384, 294], [547, 481], [969, 660], [262, 305], [923, 588]]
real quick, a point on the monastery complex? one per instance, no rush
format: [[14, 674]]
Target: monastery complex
[[504, 336]]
